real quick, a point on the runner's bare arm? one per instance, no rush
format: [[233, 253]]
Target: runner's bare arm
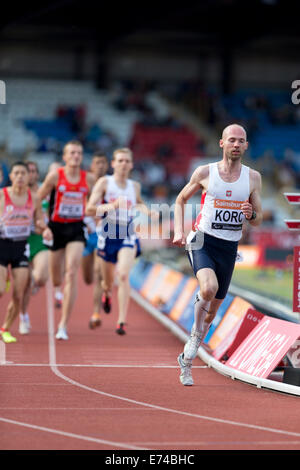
[[91, 180], [96, 197], [49, 183], [39, 219], [196, 183], [253, 206]]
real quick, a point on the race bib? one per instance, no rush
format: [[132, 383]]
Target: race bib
[[16, 231], [227, 215], [71, 206]]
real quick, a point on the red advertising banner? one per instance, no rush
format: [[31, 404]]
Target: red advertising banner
[[228, 327], [293, 224], [293, 198], [296, 275], [250, 320], [264, 347]]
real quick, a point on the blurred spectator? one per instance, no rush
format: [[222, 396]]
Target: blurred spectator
[[284, 177], [4, 175]]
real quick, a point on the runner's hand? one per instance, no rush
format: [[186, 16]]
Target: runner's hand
[[47, 234], [179, 239], [247, 209]]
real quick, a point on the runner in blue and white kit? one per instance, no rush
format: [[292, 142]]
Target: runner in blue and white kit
[[117, 241], [232, 194]]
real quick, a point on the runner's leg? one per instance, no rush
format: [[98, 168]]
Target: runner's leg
[[95, 319], [73, 254], [107, 273], [87, 265], [126, 258], [20, 280], [3, 277], [97, 283]]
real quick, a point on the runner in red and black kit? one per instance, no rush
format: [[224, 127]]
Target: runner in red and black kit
[[19, 210], [72, 186]]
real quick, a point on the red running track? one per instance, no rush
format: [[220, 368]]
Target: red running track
[[101, 391]]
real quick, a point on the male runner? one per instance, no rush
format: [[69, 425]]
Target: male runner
[[91, 267], [19, 209], [232, 194], [117, 240], [72, 186], [38, 254]]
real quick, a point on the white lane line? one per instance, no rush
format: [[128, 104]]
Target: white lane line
[[64, 408], [72, 435], [52, 360], [175, 444], [142, 366]]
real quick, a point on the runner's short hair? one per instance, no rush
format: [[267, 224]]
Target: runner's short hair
[[30, 162], [100, 154], [123, 150], [72, 142], [19, 163]]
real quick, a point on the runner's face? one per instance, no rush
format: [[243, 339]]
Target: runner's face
[[99, 166], [73, 155], [19, 176], [234, 144], [33, 174], [122, 164]]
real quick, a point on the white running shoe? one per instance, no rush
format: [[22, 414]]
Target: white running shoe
[[24, 324], [186, 373], [192, 345], [62, 334]]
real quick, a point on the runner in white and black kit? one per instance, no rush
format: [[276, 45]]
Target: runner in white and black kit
[[114, 198], [231, 194]]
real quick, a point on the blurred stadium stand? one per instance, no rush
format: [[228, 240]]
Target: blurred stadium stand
[[161, 78]]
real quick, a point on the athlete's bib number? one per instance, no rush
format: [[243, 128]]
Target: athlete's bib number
[[71, 206], [16, 232]]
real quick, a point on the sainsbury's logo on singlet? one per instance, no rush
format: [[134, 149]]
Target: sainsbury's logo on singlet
[[228, 215]]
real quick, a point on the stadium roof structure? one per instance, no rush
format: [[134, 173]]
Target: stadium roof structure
[[201, 26]]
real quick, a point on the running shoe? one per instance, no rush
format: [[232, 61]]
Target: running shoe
[[106, 303], [24, 324], [120, 329], [192, 345], [95, 321], [62, 334], [186, 373], [7, 337]]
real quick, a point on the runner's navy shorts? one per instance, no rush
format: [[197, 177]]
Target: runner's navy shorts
[[108, 248], [206, 251]]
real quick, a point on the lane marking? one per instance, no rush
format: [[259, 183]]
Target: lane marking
[[52, 360], [76, 408], [142, 366], [72, 435]]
